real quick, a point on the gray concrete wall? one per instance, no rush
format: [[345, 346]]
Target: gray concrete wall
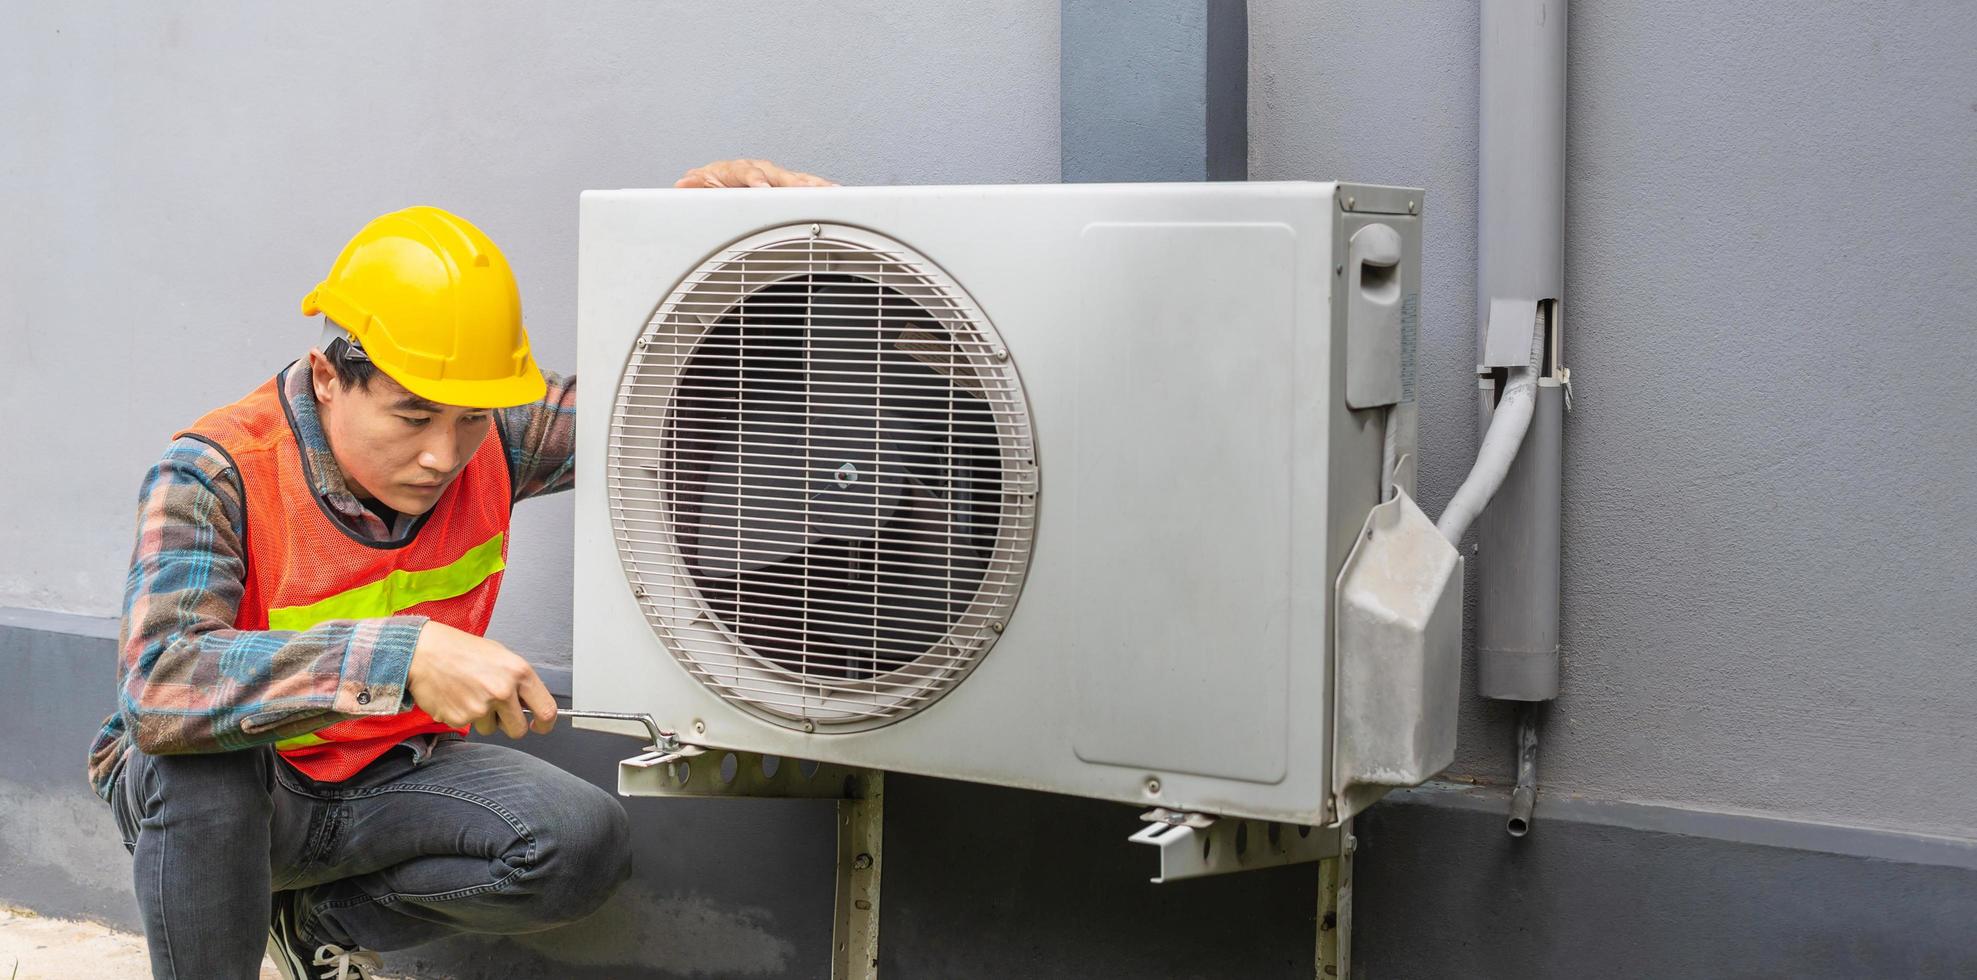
[[1771, 233], [1770, 227], [175, 178], [1771, 319]]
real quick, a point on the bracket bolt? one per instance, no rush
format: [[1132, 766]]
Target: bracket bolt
[[862, 861], [1411, 206], [1338, 270], [1351, 202], [1153, 787]]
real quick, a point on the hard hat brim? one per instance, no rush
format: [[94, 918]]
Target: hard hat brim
[[523, 389]]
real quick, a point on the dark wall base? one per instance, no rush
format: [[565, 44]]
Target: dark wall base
[[59, 849], [995, 883], [1444, 892]]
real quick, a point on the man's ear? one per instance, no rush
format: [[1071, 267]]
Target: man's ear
[[322, 375]]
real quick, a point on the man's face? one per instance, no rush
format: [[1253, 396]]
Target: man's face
[[393, 446]]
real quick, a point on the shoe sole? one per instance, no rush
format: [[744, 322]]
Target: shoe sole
[[286, 963]]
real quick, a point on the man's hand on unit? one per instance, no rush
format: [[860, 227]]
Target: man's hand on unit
[[461, 679], [748, 173]]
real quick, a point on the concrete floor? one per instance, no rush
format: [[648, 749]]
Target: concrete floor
[[34, 948]]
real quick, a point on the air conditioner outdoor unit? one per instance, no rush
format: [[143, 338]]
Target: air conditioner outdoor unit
[[1091, 489]]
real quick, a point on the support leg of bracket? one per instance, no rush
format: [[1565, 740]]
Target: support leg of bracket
[[860, 857], [1335, 910]]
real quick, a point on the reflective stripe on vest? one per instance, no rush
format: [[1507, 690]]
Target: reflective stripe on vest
[[398, 591]]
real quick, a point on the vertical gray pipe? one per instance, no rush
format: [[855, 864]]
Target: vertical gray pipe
[[1520, 240], [1520, 292], [1525, 796], [1517, 543]]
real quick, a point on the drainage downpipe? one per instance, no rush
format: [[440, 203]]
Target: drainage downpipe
[[1520, 286]]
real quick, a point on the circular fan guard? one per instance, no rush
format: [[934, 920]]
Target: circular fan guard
[[822, 479]]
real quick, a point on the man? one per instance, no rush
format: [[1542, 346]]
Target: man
[[302, 649]]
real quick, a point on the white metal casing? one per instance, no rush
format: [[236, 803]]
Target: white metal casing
[[1202, 479]]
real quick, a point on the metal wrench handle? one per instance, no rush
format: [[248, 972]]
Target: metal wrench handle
[[662, 740]]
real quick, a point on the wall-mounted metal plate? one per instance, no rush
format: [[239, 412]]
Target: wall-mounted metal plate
[[707, 772], [1194, 845]]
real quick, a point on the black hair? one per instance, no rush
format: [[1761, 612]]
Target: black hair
[[353, 367]]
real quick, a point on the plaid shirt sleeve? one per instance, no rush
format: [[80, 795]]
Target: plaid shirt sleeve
[[187, 680], [542, 440]]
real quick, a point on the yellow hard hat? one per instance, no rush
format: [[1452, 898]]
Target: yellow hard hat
[[435, 306]]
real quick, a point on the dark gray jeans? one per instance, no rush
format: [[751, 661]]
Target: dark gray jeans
[[440, 835]]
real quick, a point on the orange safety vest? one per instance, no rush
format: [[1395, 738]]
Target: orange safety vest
[[304, 569]]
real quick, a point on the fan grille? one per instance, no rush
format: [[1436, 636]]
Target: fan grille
[[822, 478]]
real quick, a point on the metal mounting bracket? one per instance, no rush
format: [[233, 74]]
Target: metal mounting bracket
[[1194, 845], [1334, 954], [703, 771], [860, 857], [673, 768]]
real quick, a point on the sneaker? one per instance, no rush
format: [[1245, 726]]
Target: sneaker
[[296, 957]]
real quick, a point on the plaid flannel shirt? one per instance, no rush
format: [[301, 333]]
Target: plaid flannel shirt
[[187, 681]]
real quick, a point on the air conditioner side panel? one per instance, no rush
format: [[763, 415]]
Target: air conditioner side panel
[[1182, 497]]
